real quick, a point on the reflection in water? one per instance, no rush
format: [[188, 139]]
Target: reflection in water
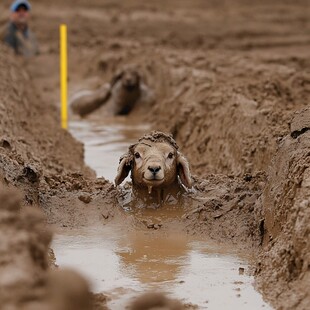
[[154, 258], [123, 264]]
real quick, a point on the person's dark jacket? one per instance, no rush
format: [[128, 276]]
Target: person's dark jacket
[[23, 42]]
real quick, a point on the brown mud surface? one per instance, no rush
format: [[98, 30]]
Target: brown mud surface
[[228, 79]]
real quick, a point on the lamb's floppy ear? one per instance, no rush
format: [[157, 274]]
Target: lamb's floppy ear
[[183, 170], [124, 167]]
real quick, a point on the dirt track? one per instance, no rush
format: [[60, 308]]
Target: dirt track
[[232, 76]]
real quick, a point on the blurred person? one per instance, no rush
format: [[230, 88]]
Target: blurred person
[[17, 34]]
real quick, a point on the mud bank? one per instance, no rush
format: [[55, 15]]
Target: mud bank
[[26, 281], [37, 156], [40, 160], [227, 110], [32, 146], [284, 266]]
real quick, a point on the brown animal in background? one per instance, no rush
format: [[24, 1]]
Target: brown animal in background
[[125, 91], [86, 102], [120, 96], [156, 165]]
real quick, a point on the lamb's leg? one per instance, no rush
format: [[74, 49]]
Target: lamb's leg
[[88, 103]]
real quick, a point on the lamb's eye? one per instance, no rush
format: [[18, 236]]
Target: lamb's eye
[[170, 155], [137, 155]]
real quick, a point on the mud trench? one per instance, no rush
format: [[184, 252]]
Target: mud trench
[[123, 264], [231, 81]]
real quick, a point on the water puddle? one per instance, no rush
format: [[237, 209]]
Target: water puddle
[[122, 263], [105, 141]]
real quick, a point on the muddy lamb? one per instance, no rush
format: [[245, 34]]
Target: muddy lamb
[[120, 96], [125, 91], [156, 166]]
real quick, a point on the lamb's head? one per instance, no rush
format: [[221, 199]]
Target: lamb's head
[[154, 162], [129, 77]]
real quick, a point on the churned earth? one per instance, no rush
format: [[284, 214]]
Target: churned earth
[[232, 84]]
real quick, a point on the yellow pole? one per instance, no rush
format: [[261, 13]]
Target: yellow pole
[[64, 76]]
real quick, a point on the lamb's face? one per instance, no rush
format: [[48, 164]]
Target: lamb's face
[[130, 79], [155, 164]]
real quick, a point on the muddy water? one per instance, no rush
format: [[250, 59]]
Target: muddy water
[[123, 263], [105, 141]]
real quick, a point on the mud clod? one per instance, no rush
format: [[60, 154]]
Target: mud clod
[[157, 136], [86, 198]]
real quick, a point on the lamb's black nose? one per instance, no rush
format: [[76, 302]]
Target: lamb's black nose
[[154, 169]]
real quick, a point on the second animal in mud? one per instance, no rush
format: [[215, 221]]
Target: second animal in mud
[[124, 93]]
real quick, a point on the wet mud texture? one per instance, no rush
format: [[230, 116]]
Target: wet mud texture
[[39, 158], [42, 161], [286, 212], [232, 77], [26, 281], [32, 144]]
